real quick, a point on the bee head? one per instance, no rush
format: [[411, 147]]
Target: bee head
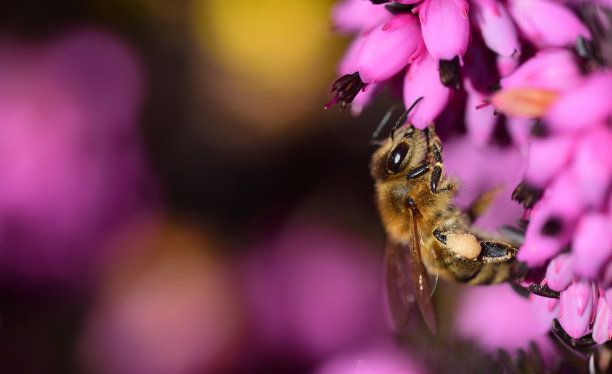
[[405, 149]]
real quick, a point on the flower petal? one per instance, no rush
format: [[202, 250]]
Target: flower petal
[[357, 15], [446, 28], [560, 272], [548, 156], [480, 122], [576, 307], [592, 164], [602, 328], [506, 65], [547, 23], [543, 310], [553, 69], [496, 26], [423, 80], [366, 97], [552, 221], [519, 130], [587, 104], [592, 244], [388, 48]]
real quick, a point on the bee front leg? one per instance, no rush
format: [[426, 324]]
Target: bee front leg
[[436, 173]]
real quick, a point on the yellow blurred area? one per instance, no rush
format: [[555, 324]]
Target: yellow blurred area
[[278, 57]]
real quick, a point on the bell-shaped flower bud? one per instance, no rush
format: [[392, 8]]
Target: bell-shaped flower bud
[[350, 16], [553, 69], [548, 156], [547, 23], [560, 272], [602, 326], [446, 27], [592, 244], [496, 26], [423, 80], [388, 48], [552, 222], [592, 164], [480, 120], [587, 104], [576, 307]]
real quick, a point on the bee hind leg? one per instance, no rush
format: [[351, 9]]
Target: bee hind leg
[[582, 342], [482, 203]]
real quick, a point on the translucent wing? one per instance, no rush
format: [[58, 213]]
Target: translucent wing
[[423, 289], [400, 287], [408, 281]]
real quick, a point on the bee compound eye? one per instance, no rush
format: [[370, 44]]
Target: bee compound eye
[[396, 157]]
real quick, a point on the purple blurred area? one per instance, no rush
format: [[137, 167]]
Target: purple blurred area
[[173, 198]]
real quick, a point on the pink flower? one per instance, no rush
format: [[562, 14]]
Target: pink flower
[[560, 271], [602, 327], [472, 319], [168, 303], [480, 121], [379, 58], [588, 104], [71, 161], [357, 15], [592, 165], [496, 26], [303, 286], [553, 69], [519, 130], [541, 167], [422, 80], [379, 359], [446, 28], [592, 245], [506, 65], [576, 307], [552, 221], [546, 23]]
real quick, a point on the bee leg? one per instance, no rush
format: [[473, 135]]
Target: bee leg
[[544, 291], [494, 251], [482, 203], [436, 174], [527, 194], [585, 341]]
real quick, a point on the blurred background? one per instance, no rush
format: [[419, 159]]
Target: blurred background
[[173, 198]]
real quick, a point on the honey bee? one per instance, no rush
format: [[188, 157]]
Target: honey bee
[[427, 236]]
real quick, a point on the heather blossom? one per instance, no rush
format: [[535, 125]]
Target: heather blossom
[[415, 35], [553, 80]]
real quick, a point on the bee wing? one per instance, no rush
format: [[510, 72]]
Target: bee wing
[[400, 287], [408, 282], [423, 289]]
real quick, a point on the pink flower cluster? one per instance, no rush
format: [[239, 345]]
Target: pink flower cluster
[[423, 44], [570, 226], [557, 104]]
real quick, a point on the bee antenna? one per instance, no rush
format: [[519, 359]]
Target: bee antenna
[[374, 139], [402, 119]]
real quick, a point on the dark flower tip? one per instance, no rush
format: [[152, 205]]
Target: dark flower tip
[[399, 8], [552, 227], [379, 1], [450, 73], [346, 88], [527, 194]]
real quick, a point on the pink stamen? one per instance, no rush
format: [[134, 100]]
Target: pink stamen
[[483, 105], [331, 102]]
